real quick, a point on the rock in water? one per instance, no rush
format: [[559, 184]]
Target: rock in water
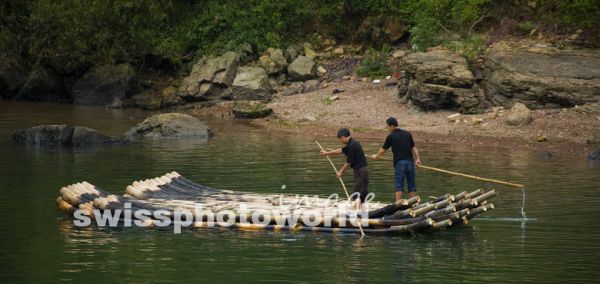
[[252, 83], [519, 115], [251, 109], [441, 79], [302, 69], [170, 126], [542, 77], [62, 135], [84, 136], [104, 85], [44, 135], [210, 78]]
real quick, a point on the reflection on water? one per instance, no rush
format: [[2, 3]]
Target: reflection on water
[[38, 244]]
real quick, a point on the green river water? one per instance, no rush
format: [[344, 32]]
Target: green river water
[[560, 241]]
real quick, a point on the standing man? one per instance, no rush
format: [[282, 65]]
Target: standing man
[[405, 153], [355, 159]]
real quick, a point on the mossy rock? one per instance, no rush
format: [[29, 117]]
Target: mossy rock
[[251, 109]]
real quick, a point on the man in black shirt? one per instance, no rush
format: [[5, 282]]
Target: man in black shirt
[[406, 156], [355, 159]]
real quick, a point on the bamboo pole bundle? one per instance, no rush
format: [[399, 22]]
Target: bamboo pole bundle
[[172, 192]]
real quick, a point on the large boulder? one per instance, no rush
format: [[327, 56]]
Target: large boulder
[[62, 135], [13, 70], [170, 126], [542, 77], [302, 69], [210, 78], [441, 79], [252, 83], [519, 115], [105, 85], [273, 61], [44, 84]]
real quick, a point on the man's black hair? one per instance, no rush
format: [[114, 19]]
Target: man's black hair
[[392, 121], [343, 132]]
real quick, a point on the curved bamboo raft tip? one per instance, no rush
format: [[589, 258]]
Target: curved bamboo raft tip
[[174, 193]]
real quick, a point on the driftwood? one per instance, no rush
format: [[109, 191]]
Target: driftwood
[[173, 193]]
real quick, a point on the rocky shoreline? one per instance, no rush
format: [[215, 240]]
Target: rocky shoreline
[[517, 94]]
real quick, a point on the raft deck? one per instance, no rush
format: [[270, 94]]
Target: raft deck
[[174, 193]]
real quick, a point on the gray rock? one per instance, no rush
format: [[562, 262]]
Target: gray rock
[[293, 89], [594, 155], [302, 69], [83, 136], [104, 85], [169, 97], [147, 100], [251, 83], [519, 115], [43, 84], [441, 79], [273, 61], [251, 109], [542, 77], [399, 53], [62, 135], [170, 126], [291, 53], [209, 78], [311, 86]]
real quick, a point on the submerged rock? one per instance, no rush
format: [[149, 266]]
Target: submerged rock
[[169, 126], [105, 85], [251, 109], [441, 79], [84, 136], [63, 135]]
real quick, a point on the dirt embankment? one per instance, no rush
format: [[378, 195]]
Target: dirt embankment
[[363, 107]]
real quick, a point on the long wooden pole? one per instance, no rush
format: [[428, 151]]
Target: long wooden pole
[[464, 175], [472, 176], [362, 232]]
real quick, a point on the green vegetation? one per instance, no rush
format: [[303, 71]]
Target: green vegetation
[[526, 27], [85, 33], [470, 48], [375, 63]]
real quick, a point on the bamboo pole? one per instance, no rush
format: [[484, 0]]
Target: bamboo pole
[[362, 232], [473, 177]]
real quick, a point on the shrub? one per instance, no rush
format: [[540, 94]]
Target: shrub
[[374, 64], [525, 28]]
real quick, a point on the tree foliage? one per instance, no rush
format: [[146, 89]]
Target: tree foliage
[[93, 31]]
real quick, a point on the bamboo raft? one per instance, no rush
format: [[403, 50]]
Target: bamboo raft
[[173, 192]]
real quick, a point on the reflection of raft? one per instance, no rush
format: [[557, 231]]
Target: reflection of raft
[[174, 193]]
